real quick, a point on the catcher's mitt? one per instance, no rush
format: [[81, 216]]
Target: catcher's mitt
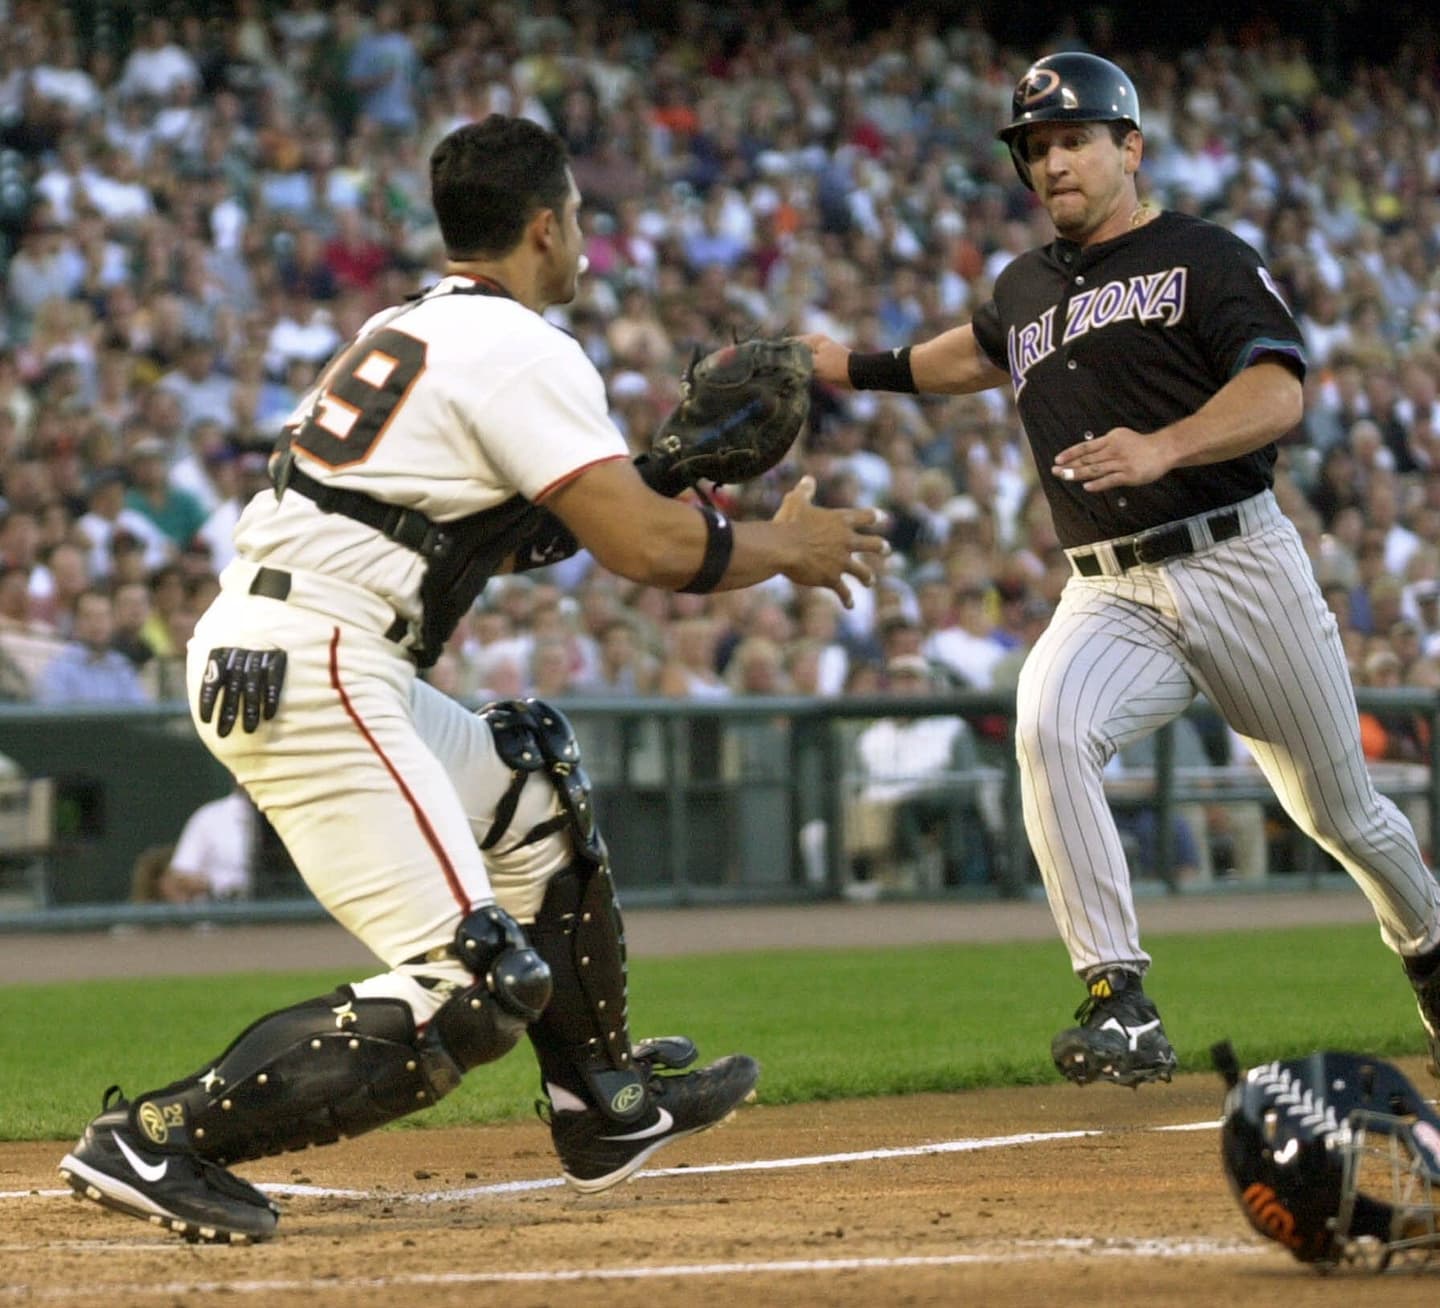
[[741, 409]]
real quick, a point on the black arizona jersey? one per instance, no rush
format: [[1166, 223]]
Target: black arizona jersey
[[1138, 331]]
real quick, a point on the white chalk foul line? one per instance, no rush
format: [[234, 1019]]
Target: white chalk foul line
[[751, 1165], [1021, 1252]]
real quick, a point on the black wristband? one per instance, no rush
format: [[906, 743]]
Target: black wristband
[[719, 544], [885, 370]]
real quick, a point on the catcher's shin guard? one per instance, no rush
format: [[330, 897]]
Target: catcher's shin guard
[[338, 1066], [583, 1038]]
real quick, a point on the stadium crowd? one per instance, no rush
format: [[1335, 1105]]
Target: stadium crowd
[[198, 208]]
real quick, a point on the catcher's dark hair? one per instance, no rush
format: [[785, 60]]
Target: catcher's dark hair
[[488, 179]]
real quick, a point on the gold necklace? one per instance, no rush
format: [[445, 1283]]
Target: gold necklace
[[1143, 213]]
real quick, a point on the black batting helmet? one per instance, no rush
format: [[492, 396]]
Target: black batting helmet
[[1335, 1156], [1072, 87]]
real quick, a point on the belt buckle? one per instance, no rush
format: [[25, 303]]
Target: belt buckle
[[1164, 543], [1137, 548]]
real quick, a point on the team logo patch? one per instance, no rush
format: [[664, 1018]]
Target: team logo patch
[[1038, 83], [1270, 1216], [152, 1122], [626, 1098]]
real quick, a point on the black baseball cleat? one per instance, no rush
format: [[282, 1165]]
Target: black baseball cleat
[[1424, 973], [1119, 1038], [597, 1152], [178, 1191]]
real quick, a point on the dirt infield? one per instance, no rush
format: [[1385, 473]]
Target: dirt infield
[[994, 1197]]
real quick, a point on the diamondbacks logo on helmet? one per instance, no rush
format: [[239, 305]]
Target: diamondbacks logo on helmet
[[1070, 87], [1036, 85]]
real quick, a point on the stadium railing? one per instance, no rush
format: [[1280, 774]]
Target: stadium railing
[[716, 802]]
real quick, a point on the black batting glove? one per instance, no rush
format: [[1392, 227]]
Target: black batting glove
[[245, 682]]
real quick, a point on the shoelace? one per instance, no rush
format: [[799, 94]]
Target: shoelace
[[1092, 1002]]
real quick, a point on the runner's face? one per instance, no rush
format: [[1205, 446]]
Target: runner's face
[[1082, 177]]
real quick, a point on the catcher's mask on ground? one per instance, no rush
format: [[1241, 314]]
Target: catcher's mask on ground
[[1070, 87], [1335, 1156]]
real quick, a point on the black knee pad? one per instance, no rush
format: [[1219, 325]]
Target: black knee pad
[[483, 1022], [533, 736]]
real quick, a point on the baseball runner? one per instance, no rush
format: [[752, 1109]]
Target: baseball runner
[[460, 848], [1154, 363]]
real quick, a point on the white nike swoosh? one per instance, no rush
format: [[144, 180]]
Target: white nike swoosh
[[1131, 1033], [147, 1171], [659, 1127]]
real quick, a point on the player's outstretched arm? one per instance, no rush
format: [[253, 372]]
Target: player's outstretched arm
[[678, 546], [949, 364]]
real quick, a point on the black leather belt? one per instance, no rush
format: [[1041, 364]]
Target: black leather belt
[[274, 583], [1167, 543]]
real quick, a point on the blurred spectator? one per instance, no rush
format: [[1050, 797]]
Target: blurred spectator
[[87, 670], [175, 512], [959, 634], [108, 514], [304, 332], [132, 613], [45, 268], [757, 667], [1138, 825], [204, 393], [214, 856], [820, 624], [1035, 616], [237, 477], [550, 670], [1391, 735], [1426, 598], [690, 671], [624, 669], [384, 71], [917, 776], [201, 470], [16, 610], [354, 257], [55, 585], [156, 66]]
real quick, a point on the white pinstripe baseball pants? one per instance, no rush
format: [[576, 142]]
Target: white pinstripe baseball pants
[[1243, 622]]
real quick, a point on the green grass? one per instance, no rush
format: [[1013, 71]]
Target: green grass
[[825, 1024]]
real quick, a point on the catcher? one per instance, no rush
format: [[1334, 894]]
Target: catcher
[[457, 436]]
